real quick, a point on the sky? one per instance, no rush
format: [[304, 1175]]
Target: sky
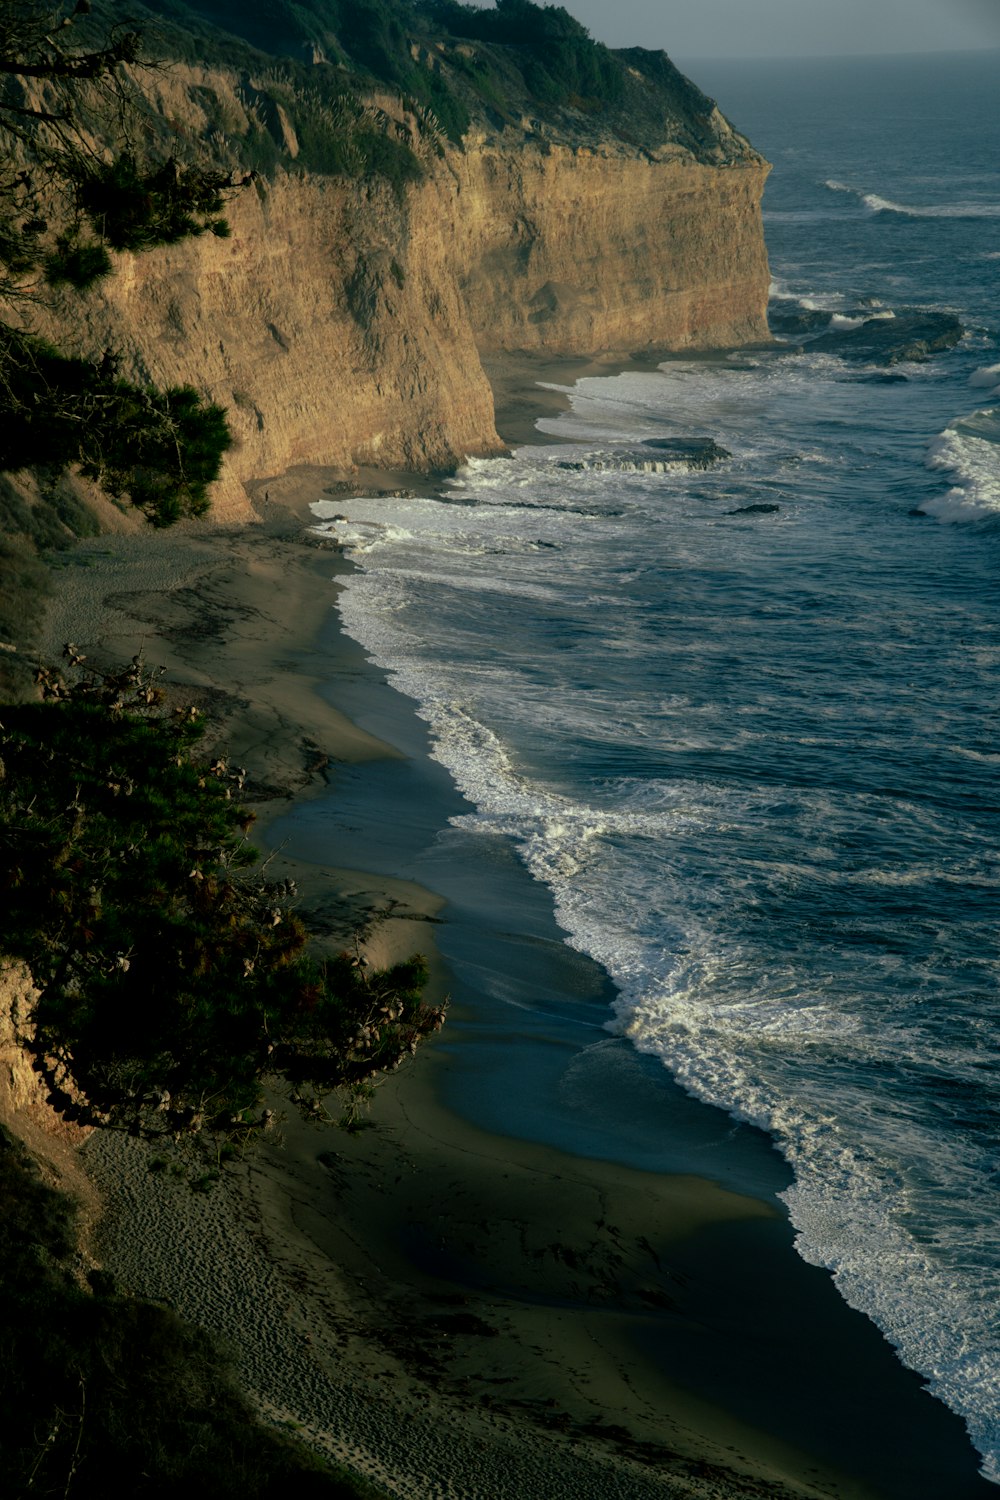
[[792, 28]]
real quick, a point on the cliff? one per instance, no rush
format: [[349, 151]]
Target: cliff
[[343, 320], [576, 249]]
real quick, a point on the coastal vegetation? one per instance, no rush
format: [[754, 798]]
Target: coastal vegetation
[[557, 58], [160, 449], [64, 206], [446, 63], [80, 182], [420, 48], [174, 979]]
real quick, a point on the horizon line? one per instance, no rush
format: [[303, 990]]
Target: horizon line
[[703, 57]]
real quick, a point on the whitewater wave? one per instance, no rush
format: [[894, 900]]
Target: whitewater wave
[[988, 376], [968, 451], [672, 455], [879, 205], [718, 1050], [847, 321], [780, 291], [695, 999], [691, 993]]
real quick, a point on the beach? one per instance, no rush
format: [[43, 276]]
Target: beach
[[496, 1290]]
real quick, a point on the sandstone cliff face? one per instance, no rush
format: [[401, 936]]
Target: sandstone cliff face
[[328, 324], [576, 250], [340, 325], [24, 1098]]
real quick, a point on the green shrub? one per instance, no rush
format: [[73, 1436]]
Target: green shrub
[[77, 263], [160, 448], [453, 115], [171, 980], [135, 206], [558, 59], [389, 159], [76, 185]]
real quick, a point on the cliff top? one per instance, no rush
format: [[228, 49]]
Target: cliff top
[[518, 68]]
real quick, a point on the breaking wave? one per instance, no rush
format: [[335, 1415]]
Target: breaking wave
[[879, 205], [968, 451]]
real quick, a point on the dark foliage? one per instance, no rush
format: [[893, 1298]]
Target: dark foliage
[[63, 206], [172, 980], [64, 203], [560, 62], [161, 449], [390, 160], [76, 263], [376, 35], [135, 206], [684, 100], [523, 55], [514, 23]]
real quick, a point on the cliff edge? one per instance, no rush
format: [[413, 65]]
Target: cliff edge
[[343, 320]]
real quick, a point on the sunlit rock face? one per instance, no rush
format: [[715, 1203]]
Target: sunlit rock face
[[342, 323]]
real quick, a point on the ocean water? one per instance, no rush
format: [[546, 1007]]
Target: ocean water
[[742, 721]]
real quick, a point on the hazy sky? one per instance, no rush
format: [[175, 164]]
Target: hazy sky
[[781, 28]]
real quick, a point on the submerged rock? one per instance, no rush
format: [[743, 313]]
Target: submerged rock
[[667, 454], [787, 320], [693, 453], [913, 335], [753, 510]]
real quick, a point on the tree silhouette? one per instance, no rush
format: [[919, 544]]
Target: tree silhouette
[[74, 186], [174, 979]]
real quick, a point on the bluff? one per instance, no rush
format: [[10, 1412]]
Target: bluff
[[344, 319]]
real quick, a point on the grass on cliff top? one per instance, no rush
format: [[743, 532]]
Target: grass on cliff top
[[449, 61], [102, 1394]]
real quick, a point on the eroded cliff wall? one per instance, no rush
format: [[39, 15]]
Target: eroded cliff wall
[[581, 249], [342, 322]]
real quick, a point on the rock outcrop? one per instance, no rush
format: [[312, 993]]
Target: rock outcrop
[[343, 320], [26, 1091]]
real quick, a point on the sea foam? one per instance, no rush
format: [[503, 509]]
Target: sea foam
[[761, 1034], [989, 376], [968, 451]]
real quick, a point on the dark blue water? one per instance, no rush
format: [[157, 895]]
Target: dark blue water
[[754, 753]]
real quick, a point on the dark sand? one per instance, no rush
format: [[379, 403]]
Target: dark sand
[[546, 1272]]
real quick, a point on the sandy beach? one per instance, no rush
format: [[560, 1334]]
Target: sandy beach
[[503, 1288]]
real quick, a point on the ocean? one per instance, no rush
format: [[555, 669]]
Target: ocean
[[742, 720]]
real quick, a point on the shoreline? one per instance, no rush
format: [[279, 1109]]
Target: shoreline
[[631, 1329]]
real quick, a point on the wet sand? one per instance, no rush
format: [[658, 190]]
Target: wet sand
[[544, 1272]]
